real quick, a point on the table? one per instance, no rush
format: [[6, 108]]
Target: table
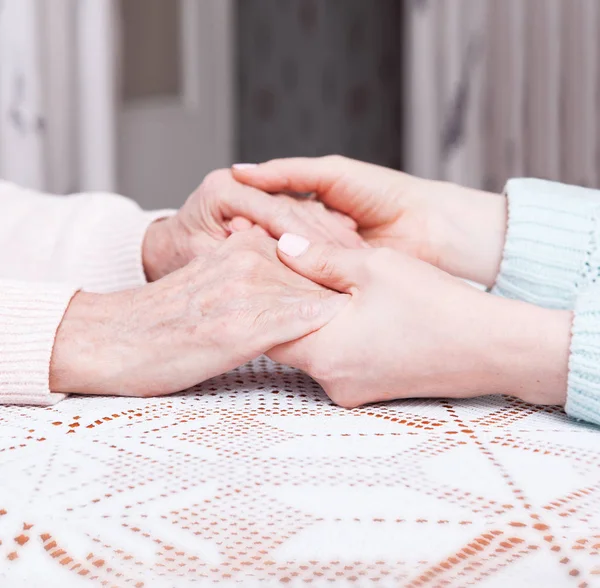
[[256, 479]]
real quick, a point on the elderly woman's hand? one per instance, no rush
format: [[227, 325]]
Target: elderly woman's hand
[[460, 230], [221, 206], [412, 330], [221, 310]]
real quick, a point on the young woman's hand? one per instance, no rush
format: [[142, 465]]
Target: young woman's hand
[[412, 330], [459, 230], [221, 206], [221, 310]]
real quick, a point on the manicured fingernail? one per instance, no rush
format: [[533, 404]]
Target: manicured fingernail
[[293, 245], [243, 166]]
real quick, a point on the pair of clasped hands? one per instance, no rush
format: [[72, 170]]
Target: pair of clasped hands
[[359, 287]]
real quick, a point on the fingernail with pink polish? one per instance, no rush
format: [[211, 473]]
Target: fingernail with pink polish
[[243, 166], [293, 245]]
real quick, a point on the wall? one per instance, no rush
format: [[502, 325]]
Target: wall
[[503, 88], [22, 115], [319, 77]]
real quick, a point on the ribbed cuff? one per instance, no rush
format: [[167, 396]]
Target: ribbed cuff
[[30, 315], [552, 240], [583, 397], [113, 259]]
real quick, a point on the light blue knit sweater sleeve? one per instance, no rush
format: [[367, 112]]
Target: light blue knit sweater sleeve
[[552, 243], [583, 395], [552, 259]]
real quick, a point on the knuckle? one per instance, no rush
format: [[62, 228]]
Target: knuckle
[[324, 265], [247, 261], [285, 208], [309, 310], [334, 159], [249, 249], [259, 319], [276, 163], [285, 215], [215, 180], [243, 241]]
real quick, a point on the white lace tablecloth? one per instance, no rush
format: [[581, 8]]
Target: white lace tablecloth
[[256, 479]]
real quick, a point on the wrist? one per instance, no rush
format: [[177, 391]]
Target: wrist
[[525, 349], [160, 253], [82, 355], [475, 225]]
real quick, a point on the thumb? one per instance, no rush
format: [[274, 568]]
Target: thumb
[[334, 267]]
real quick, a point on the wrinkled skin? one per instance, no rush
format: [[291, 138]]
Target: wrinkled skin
[[226, 307], [220, 206]]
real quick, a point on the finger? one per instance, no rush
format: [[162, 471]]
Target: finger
[[329, 229], [261, 231], [356, 188], [344, 219], [255, 238], [335, 226], [277, 215], [295, 353], [298, 318], [264, 210], [309, 214], [239, 224], [246, 229], [333, 267], [296, 174]]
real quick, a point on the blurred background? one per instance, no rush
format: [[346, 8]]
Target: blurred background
[[144, 97]]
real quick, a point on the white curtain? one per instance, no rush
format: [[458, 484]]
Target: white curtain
[[494, 89], [501, 88], [22, 116], [57, 94]]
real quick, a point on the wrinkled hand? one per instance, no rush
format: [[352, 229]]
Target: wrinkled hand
[[412, 330], [459, 230], [224, 308], [206, 219]]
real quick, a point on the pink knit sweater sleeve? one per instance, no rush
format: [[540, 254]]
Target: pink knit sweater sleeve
[[51, 247]]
